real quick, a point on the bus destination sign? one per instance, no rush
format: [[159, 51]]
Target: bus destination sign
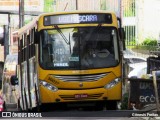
[[77, 18]]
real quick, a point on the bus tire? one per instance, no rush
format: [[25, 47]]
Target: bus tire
[[111, 105], [99, 106]]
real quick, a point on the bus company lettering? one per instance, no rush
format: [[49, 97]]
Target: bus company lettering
[[53, 80], [68, 19], [77, 18], [88, 18], [25, 115]]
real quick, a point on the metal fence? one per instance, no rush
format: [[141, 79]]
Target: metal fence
[[139, 44]]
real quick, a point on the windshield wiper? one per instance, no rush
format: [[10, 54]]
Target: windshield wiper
[[98, 27], [61, 33], [96, 31]]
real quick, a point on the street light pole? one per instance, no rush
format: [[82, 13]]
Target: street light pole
[[76, 4], [21, 13], [6, 38]]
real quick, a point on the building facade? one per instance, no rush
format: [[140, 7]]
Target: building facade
[[141, 19], [13, 5], [87, 5]]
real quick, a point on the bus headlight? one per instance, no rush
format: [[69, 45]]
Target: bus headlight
[[49, 86], [112, 83]]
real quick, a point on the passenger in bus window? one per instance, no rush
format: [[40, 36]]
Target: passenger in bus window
[[98, 54]]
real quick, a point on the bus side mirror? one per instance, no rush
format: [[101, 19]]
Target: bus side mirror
[[14, 80], [122, 36], [122, 33]]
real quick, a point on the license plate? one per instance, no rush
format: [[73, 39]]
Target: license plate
[[80, 96]]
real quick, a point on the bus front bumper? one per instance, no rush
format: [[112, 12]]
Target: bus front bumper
[[66, 95]]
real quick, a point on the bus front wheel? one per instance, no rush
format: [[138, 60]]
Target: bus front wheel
[[111, 105]]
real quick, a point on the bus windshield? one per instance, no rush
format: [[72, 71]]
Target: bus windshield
[[79, 48]]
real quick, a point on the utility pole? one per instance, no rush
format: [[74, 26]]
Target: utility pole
[[76, 4], [6, 41], [156, 90], [21, 13], [6, 37]]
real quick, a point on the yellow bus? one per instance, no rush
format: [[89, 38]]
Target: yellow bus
[[71, 57]]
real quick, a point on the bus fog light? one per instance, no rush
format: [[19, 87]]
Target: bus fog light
[[112, 83], [49, 86]]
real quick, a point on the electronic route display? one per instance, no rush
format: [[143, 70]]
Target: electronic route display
[[77, 19]]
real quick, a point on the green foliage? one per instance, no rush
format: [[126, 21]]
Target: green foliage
[[132, 42], [48, 5], [103, 4], [26, 21], [129, 10], [149, 44], [129, 13], [124, 105], [150, 41]]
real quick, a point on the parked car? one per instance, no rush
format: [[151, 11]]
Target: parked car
[[132, 59], [138, 70], [137, 65]]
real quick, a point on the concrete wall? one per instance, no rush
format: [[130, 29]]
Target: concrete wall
[[151, 18], [13, 5], [30, 5], [148, 19]]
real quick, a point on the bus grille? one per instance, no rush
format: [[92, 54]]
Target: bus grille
[[89, 97], [80, 78]]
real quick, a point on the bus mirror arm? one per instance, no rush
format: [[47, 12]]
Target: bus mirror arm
[[122, 36], [14, 80]]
